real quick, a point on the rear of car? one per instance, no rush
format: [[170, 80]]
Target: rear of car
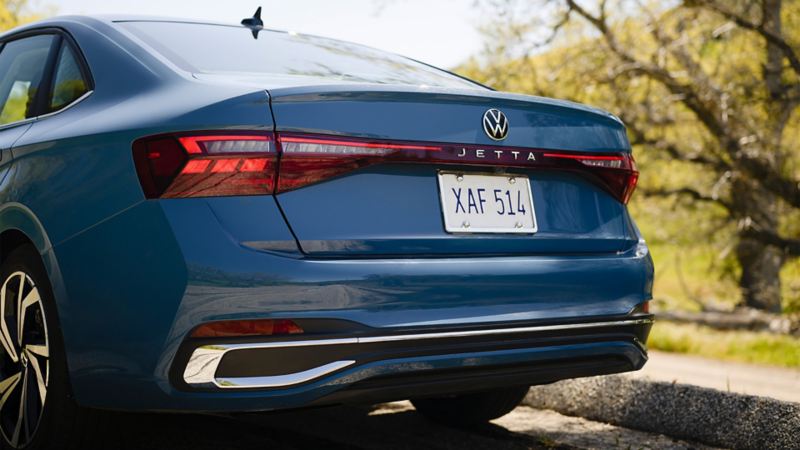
[[429, 231], [251, 220]]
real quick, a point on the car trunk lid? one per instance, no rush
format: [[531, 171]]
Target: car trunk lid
[[388, 153]]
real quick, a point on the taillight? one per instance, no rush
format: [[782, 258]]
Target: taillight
[[617, 172], [308, 159], [223, 164], [206, 165]]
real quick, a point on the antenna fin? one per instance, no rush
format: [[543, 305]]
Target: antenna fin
[[255, 21]]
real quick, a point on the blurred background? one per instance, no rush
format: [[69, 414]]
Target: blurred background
[[709, 91]]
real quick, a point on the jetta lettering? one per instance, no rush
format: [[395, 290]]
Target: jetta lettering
[[514, 155]]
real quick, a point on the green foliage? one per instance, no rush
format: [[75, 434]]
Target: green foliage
[[688, 278], [67, 91], [14, 13], [16, 105], [742, 346], [791, 286]]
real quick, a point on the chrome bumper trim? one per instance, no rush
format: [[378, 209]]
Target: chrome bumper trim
[[202, 366], [281, 380]]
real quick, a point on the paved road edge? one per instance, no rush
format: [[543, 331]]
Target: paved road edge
[[683, 411]]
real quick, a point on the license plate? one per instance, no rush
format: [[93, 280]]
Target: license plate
[[478, 203]]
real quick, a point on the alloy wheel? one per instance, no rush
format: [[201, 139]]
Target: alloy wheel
[[25, 359]]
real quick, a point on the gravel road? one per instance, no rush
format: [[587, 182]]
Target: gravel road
[[388, 427]]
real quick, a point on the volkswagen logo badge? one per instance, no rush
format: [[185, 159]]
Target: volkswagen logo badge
[[495, 124]]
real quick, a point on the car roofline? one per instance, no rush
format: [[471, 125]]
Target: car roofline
[[111, 19]]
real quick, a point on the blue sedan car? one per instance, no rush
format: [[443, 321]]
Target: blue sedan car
[[198, 217]]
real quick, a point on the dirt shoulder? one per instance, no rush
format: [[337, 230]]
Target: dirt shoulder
[[776, 382]]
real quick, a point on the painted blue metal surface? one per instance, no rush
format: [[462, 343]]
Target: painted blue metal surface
[[445, 115], [132, 277], [391, 210]]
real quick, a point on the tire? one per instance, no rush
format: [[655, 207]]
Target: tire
[[34, 363], [471, 409]]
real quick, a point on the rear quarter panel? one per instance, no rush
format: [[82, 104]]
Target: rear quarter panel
[[117, 273]]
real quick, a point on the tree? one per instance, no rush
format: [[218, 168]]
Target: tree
[[14, 13], [713, 85]]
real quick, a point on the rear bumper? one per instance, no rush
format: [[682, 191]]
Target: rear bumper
[[257, 365], [372, 366], [126, 326]]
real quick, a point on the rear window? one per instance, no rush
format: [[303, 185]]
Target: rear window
[[206, 48]]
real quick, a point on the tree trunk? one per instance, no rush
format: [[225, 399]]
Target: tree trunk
[[761, 264], [760, 281]]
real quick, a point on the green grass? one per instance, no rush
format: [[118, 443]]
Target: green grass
[[742, 346], [790, 275]]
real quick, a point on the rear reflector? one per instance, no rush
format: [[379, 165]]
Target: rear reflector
[[642, 308], [220, 164], [238, 328]]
